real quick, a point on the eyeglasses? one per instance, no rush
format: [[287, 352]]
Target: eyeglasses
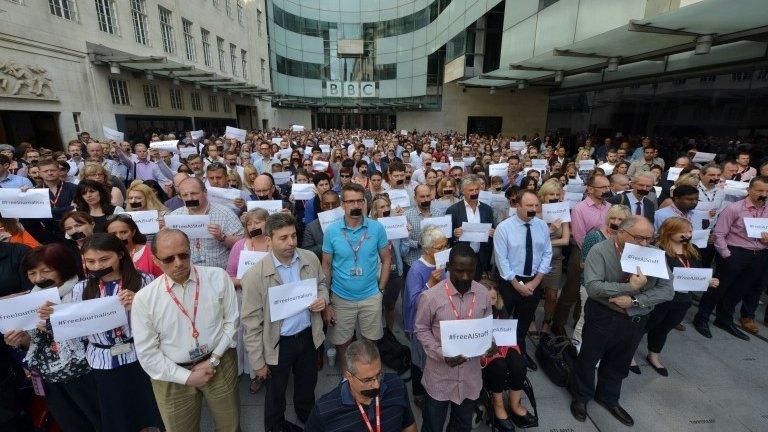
[[370, 380], [170, 259], [639, 238]]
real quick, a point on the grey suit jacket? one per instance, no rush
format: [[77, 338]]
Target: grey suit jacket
[[313, 238]]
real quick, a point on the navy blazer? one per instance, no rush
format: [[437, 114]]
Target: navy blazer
[[649, 207], [458, 213]]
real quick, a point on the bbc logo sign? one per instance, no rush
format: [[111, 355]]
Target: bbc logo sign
[[350, 89]]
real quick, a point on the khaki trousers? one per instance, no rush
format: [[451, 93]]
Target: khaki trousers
[[180, 405]]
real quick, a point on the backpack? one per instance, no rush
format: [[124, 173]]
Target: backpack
[[394, 354], [556, 356]]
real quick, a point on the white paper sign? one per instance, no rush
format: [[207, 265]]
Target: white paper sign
[[368, 143], [552, 211], [441, 258], [673, 173], [20, 312], [700, 238], [505, 332], [186, 152], [575, 188], [277, 140], [459, 164], [289, 299], [232, 132], [297, 128], [651, 261], [756, 226], [197, 134], [440, 166], [325, 148], [607, 168], [474, 232], [467, 337], [703, 157], [74, 320], [403, 132], [328, 217], [113, 135], [395, 226], [574, 198], [517, 145], [282, 177], [34, 203], [247, 260], [319, 165], [224, 196], [492, 199], [443, 222], [284, 153], [146, 220], [498, 169], [586, 165], [399, 198], [271, 206], [303, 191], [539, 165], [691, 279], [169, 146], [194, 226]]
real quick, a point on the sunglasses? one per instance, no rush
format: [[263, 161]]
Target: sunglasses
[[170, 259]]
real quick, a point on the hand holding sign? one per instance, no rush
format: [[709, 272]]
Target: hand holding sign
[[651, 260], [638, 280]]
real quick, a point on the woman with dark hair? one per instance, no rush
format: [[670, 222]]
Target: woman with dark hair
[[529, 183], [77, 226], [126, 400], [70, 388], [123, 227], [93, 198]]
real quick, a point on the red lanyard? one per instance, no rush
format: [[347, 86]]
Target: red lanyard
[[683, 261], [365, 416], [103, 291], [195, 333], [455, 311], [55, 199]]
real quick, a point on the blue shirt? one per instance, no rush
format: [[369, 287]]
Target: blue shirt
[[667, 212], [12, 181], [509, 247], [297, 323], [339, 240]]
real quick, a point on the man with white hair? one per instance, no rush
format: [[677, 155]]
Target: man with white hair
[[96, 152], [637, 199]]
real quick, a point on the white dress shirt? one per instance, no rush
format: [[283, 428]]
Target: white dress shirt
[[473, 217], [162, 334]]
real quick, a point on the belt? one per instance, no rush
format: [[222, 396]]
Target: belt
[[750, 251], [525, 279], [196, 361], [296, 336], [129, 340], [634, 319]]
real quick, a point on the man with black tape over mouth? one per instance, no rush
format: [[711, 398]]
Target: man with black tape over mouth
[[740, 263], [637, 198]]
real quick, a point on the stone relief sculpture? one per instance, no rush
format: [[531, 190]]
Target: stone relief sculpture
[[27, 79]]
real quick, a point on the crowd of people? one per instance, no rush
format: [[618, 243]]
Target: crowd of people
[[197, 321]]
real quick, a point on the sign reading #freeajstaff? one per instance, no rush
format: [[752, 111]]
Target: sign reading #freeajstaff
[[505, 332], [691, 279], [194, 226], [396, 227], [756, 227], [247, 260], [651, 261], [20, 312], [289, 299], [467, 337], [34, 203], [146, 221], [74, 320], [553, 211]]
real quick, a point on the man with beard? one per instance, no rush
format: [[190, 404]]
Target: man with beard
[[637, 199]]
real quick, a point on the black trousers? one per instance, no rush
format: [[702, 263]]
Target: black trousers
[[664, 317], [505, 373], [611, 338], [569, 296], [745, 278], [74, 404], [297, 355], [710, 299], [435, 411], [523, 309]]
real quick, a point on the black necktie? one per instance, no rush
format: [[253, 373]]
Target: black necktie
[[528, 266], [638, 209]]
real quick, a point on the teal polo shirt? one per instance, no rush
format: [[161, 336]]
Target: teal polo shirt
[[339, 240]]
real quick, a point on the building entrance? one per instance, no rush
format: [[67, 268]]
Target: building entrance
[[352, 120], [41, 129]]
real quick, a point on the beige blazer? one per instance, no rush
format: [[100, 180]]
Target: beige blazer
[[260, 334]]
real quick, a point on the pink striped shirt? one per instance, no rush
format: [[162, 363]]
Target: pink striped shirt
[[731, 231], [586, 216]]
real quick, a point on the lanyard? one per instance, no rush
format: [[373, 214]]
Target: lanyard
[[453, 306], [685, 263], [195, 333], [103, 291], [55, 199], [706, 193], [365, 416], [356, 249]]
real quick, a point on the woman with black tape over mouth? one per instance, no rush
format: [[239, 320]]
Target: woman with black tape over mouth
[[77, 226]]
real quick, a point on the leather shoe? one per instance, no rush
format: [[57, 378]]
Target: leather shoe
[[732, 329], [525, 421], [635, 369], [703, 329], [617, 411], [505, 425], [749, 325], [680, 327], [579, 410], [661, 370], [530, 363]]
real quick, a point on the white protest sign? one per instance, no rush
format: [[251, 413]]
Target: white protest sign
[[657, 190], [271, 206], [469, 160], [284, 153], [467, 337], [574, 198], [441, 258], [197, 134], [701, 157], [328, 217], [395, 226], [505, 332], [586, 165], [575, 181], [399, 198], [517, 145], [539, 164], [700, 238], [320, 165], [113, 135], [194, 226], [756, 226], [169, 146], [247, 260], [474, 232], [443, 222], [232, 132], [607, 168], [74, 320], [277, 140], [20, 312], [579, 188], [146, 220], [498, 169], [289, 299], [673, 173], [552, 211], [186, 152], [303, 191], [325, 148], [368, 143], [34, 203], [651, 261], [224, 196], [282, 177], [492, 199], [297, 128], [440, 166], [691, 279], [403, 132], [706, 206], [459, 164]]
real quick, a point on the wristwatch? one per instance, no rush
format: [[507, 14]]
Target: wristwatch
[[214, 361], [635, 303]]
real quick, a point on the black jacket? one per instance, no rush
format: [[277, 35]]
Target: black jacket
[[458, 214]]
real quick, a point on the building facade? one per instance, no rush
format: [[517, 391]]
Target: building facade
[[68, 66]]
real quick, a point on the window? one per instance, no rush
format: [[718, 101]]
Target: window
[[197, 105], [107, 16], [177, 102], [139, 18], [233, 58], [77, 119], [258, 22], [263, 71], [118, 89], [226, 105], [63, 9], [216, 3], [228, 6], [244, 61], [240, 12], [166, 30], [151, 100], [189, 40], [206, 35], [220, 47], [213, 102]]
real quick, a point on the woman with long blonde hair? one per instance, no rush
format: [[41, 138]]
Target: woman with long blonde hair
[[142, 197]]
